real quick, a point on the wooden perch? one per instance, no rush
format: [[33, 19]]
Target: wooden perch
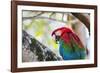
[[83, 19]]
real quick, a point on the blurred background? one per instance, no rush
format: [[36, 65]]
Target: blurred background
[[41, 24]]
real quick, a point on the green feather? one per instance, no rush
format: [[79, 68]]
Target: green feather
[[72, 46]]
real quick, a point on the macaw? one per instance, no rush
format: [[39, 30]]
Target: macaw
[[70, 46]]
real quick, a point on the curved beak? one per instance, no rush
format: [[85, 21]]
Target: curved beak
[[57, 38]]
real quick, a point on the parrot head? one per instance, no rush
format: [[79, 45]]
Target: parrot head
[[58, 33]]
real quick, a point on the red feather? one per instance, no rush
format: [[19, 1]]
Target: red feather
[[67, 34]]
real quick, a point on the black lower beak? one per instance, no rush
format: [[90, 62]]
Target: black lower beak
[[57, 39]]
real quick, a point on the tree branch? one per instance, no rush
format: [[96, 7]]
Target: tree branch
[[38, 14], [52, 14], [83, 19], [41, 17], [62, 16]]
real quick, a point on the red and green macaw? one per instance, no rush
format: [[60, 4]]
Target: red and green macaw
[[70, 46]]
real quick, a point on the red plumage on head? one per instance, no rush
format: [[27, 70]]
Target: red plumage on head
[[63, 30]]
